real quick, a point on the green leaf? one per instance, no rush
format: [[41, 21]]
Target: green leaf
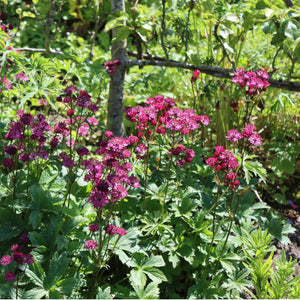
[[68, 285], [292, 30], [155, 261], [123, 33], [35, 293], [37, 279], [138, 277], [8, 232], [58, 265], [117, 22], [104, 294], [155, 274]]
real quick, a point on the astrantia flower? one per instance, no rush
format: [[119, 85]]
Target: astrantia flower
[[92, 121], [248, 130], [204, 120], [141, 148], [5, 260], [235, 183], [231, 176], [10, 150], [28, 259], [83, 129], [82, 151], [68, 162], [133, 181], [18, 257], [14, 247], [8, 162], [24, 238], [211, 161], [110, 229], [120, 231], [93, 227], [90, 244], [9, 276], [255, 139], [108, 134], [233, 135]]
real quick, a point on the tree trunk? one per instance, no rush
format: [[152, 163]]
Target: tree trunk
[[116, 93]]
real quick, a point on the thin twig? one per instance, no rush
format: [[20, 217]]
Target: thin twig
[[163, 29], [225, 53]]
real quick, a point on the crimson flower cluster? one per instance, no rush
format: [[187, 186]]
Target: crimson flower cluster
[[110, 176], [253, 81], [36, 129], [20, 255], [160, 116], [195, 76], [110, 66], [249, 133], [225, 161]]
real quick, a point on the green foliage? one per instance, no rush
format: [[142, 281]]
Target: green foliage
[[189, 235]]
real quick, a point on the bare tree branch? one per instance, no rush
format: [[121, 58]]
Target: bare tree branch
[[211, 70]]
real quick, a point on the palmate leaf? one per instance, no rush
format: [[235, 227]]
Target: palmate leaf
[[57, 268], [146, 266], [251, 168], [150, 292]]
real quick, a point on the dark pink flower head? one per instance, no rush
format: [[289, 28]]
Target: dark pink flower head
[[108, 134], [133, 181], [83, 100], [231, 176], [177, 150], [195, 76], [235, 183], [233, 135], [18, 257], [117, 144], [255, 139], [26, 118], [204, 120], [232, 163], [234, 104], [54, 142], [110, 229], [70, 89], [5, 260], [120, 231], [190, 153], [90, 244], [10, 150], [28, 259], [248, 130], [93, 107], [14, 247], [93, 227], [68, 162], [83, 129], [141, 148], [82, 151], [9, 276], [24, 238], [174, 124], [211, 161], [220, 149], [8, 162]]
